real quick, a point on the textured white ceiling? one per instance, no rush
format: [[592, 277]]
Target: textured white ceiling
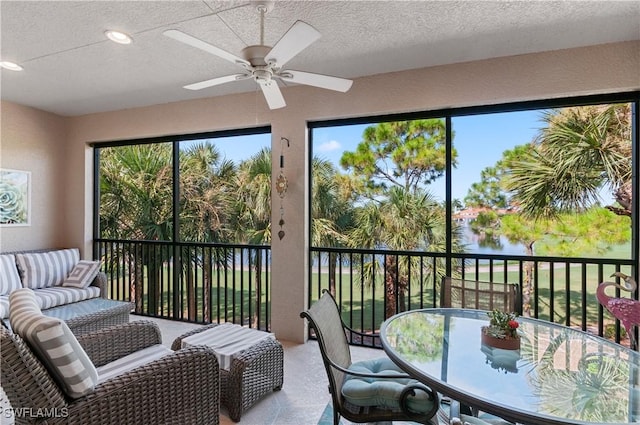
[[71, 69]]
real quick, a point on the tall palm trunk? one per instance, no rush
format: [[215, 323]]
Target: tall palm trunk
[[136, 286], [207, 282], [403, 284], [191, 293], [527, 284], [391, 279], [154, 285], [333, 269], [257, 312]]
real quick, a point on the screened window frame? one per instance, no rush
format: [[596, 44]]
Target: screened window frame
[[175, 140], [632, 97]]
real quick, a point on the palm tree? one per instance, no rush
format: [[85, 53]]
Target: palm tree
[[331, 211], [135, 197], [136, 203], [555, 183], [580, 151], [391, 169], [410, 221], [206, 194], [253, 213], [206, 198]]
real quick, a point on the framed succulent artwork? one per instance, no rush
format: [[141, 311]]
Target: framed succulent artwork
[[15, 198]]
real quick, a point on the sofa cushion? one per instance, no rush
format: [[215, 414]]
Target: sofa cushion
[[46, 269], [9, 277], [82, 274], [53, 342], [59, 295], [53, 297]]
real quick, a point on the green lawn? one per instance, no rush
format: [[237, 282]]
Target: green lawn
[[232, 296]]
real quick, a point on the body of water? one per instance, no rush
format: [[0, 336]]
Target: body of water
[[475, 246]]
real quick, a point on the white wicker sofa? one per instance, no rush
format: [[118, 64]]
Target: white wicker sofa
[[57, 277]]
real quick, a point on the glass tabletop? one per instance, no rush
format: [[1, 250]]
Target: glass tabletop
[[559, 375], [83, 308]]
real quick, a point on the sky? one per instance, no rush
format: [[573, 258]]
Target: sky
[[480, 141]]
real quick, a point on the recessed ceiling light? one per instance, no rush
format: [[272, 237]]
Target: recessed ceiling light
[[118, 37], [10, 66]]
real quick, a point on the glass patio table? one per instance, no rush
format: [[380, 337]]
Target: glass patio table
[[560, 375]]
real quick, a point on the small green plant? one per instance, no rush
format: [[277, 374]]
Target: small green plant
[[610, 332], [502, 325]]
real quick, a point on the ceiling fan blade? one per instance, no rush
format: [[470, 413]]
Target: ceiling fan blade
[[273, 95], [216, 81], [300, 36], [202, 45], [317, 80]]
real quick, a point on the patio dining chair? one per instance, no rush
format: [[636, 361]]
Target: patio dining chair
[[465, 293], [117, 375], [366, 391], [479, 295]]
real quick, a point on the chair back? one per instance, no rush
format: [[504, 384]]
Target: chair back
[[324, 318], [25, 380], [461, 293]]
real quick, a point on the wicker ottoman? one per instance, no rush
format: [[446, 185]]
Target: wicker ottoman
[[251, 363]]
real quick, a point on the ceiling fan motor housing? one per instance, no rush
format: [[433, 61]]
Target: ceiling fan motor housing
[[255, 54]]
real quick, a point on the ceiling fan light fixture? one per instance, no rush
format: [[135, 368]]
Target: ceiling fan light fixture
[[11, 66], [118, 37]]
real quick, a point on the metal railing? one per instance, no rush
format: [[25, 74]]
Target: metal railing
[[372, 285], [206, 282], [195, 282]]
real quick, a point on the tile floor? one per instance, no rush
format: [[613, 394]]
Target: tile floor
[[304, 393]]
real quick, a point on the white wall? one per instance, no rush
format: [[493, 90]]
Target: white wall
[[592, 70]]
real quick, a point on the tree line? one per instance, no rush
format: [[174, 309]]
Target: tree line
[[381, 198]]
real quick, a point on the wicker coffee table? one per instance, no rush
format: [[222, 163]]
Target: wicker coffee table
[[251, 363], [91, 315]]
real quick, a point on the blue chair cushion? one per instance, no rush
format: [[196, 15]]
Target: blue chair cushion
[[384, 393]]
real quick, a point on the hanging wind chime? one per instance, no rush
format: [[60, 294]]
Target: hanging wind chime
[[281, 186]]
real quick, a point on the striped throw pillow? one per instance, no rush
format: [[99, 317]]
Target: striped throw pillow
[[44, 269], [53, 343], [82, 274], [9, 277]]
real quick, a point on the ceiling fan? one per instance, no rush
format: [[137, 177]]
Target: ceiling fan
[[264, 64]]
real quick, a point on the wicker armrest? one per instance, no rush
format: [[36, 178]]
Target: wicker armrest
[[177, 343], [251, 354], [101, 282], [182, 387], [108, 344]]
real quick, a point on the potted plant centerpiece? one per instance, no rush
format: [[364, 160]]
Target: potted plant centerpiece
[[502, 331]]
